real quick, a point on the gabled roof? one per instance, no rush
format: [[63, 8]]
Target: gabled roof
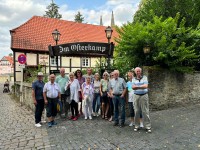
[[36, 33], [7, 58]]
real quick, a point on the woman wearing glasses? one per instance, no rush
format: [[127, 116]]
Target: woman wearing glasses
[[104, 95]]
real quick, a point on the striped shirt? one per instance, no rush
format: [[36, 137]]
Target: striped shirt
[[52, 89], [143, 80]]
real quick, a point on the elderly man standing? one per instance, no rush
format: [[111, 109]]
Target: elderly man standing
[[140, 87], [62, 79], [38, 100], [117, 91], [51, 94]]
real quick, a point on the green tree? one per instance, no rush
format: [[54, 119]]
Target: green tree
[[11, 54], [188, 9], [52, 11], [173, 45], [79, 17]]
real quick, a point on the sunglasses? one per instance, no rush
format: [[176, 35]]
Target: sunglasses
[[105, 75]]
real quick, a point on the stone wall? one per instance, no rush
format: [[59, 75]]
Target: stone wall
[[172, 89], [166, 89], [26, 94]]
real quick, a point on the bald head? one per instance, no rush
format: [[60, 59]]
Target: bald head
[[62, 72], [116, 73]]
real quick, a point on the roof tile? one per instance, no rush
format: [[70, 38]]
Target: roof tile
[[36, 33]]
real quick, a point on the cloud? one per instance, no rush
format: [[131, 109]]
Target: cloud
[[13, 13]]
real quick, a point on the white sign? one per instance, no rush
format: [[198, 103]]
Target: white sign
[[44, 60], [22, 66]]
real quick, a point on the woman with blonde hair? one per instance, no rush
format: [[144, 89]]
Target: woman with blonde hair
[[96, 100], [104, 95]]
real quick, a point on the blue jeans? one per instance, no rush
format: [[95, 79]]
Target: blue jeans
[[119, 101], [96, 102]]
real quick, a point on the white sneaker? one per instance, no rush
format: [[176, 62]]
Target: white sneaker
[[90, 117], [94, 114], [85, 118], [97, 114], [131, 124], [141, 125], [38, 125]]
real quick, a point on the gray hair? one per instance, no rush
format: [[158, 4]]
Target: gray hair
[[138, 68], [71, 74]]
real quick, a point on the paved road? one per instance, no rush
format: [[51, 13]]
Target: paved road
[[171, 129]]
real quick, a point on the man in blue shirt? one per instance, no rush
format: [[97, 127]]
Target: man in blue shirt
[[38, 100], [117, 88], [140, 87]]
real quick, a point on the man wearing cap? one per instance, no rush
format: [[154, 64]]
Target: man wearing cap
[[38, 100], [62, 79], [51, 94]]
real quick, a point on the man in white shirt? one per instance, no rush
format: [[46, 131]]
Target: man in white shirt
[[51, 94]]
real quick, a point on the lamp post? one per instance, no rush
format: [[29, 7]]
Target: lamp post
[[56, 36], [146, 50], [108, 31]]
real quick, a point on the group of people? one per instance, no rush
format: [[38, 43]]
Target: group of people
[[93, 96]]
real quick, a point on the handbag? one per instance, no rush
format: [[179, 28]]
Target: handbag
[[59, 106], [67, 92]]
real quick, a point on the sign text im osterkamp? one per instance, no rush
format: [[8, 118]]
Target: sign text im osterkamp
[[82, 49]]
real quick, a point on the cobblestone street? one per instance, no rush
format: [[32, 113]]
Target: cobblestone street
[[172, 129]]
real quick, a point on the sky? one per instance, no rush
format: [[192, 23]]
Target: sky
[[13, 13]]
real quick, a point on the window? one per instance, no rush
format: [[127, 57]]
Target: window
[[85, 62], [53, 61]]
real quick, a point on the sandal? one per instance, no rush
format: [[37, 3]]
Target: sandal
[[106, 117], [102, 116]]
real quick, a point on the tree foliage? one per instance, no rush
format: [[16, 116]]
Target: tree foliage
[[173, 45], [52, 11], [79, 17], [188, 9]]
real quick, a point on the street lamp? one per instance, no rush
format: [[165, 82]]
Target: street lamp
[[56, 36], [109, 31], [146, 50]]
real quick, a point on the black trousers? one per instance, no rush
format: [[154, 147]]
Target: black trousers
[[74, 108], [38, 110]]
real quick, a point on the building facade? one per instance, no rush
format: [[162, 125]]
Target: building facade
[[34, 36], [6, 65]]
